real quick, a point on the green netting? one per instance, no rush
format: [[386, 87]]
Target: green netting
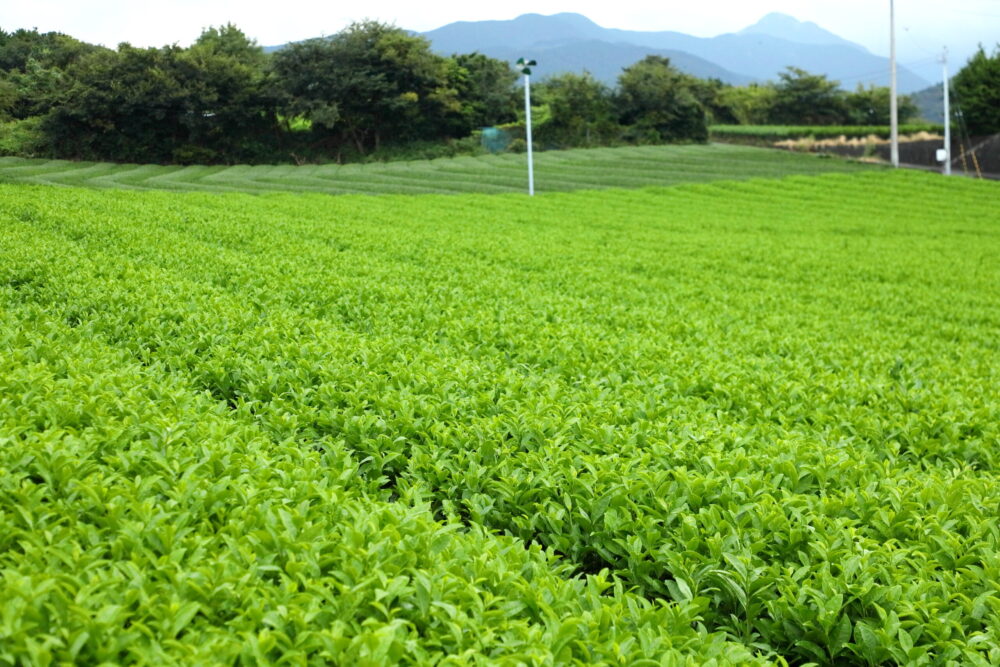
[[495, 140]]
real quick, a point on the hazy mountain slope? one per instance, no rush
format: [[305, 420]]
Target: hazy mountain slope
[[605, 60], [754, 53], [524, 31], [790, 29]]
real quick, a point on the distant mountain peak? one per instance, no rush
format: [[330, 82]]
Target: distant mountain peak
[[571, 42], [578, 19], [779, 20], [791, 29]]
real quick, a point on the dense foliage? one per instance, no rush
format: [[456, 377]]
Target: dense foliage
[[373, 89], [578, 169], [367, 85], [671, 426], [977, 91], [772, 133], [803, 98], [658, 101], [578, 110], [369, 89], [223, 100], [33, 70], [200, 104]]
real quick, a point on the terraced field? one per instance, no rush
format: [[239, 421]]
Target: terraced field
[[555, 171], [746, 422]]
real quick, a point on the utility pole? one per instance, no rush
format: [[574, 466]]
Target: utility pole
[[525, 66], [947, 113], [893, 90]]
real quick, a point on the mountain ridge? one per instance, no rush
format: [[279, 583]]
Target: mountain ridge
[[754, 54], [571, 42], [791, 29]]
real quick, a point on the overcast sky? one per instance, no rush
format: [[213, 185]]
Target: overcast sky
[[924, 25]]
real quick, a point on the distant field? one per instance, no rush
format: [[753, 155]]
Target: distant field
[[772, 133], [715, 424], [555, 171]]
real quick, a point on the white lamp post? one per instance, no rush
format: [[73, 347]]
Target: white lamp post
[[525, 66], [947, 114], [893, 90]]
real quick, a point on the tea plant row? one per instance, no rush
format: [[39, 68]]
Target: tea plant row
[[555, 171], [725, 422]]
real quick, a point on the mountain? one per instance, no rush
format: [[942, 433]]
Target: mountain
[[605, 61], [566, 42], [790, 29], [759, 52], [527, 30]]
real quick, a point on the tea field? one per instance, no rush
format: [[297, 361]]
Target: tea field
[[555, 171], [750, 422], [774, 133]]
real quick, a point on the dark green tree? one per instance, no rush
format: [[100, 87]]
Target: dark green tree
[[870, 106], [8, 98], [802, 98], [49, 49], [977, 92], [485, 88], [711, 95], [749, 105], [139, 118], [33, 64], [581, 111], [659, 103], [230, 110], [203, 104], [367, 85]]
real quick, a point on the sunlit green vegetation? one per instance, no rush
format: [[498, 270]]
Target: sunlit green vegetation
[[731, 421], [555, 170], [772, 133]]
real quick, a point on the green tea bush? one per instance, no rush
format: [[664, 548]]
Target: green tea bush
[[628, 167], [22, 138], [713, 424]]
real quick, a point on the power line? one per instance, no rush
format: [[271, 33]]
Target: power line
[[914, 63]]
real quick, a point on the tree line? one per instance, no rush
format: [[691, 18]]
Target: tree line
[[369, 90]]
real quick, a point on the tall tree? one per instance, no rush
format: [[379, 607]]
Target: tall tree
[[871, 106], [977, 92], [203, 104], [751, 104], [658, 100], [33, 65], [48, 49], [8, 98], [136, 119], [711, 95], [485, 90], [230, 107], [369, 84], [581, 111], [802, 98]]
